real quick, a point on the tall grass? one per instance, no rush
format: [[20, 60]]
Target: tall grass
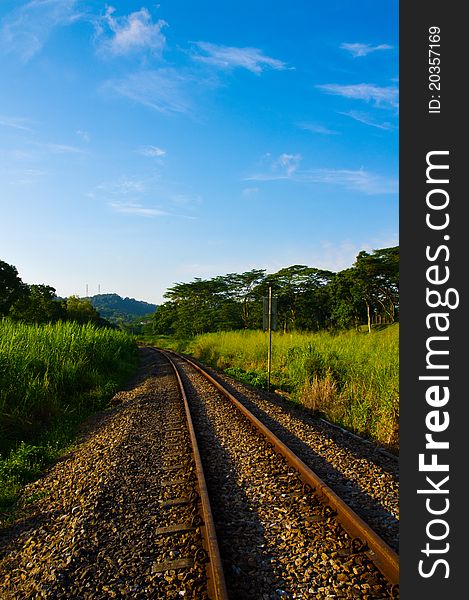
[[351, 378], [50, 370]]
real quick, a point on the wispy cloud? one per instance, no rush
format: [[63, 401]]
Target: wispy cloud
[[354, 179], [133, 194], [60, 148], [357, 50], [164, 90], [341, 254], [25, 30], [250, 192], [358, 179], [132, 33], [378, 95], [287, 163], [182, 199], [139, 210], [316, 128], [367, 120], [283, 166], [124, 186], [15, 123], [83, 135], [152, 152], [230, 57], [132, 208], [21, 177]]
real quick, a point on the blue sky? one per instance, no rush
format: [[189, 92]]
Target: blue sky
[[143, 144]]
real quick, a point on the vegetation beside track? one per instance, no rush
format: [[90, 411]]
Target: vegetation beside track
[[51, 377], [351, 378]]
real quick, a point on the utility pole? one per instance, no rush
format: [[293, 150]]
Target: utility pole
[[269, 326], [269, 323]]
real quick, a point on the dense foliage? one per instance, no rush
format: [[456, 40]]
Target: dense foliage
[[308, 299], [46, 368]]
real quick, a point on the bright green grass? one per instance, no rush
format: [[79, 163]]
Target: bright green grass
[[44, 370], [352, 378], [52, 377]]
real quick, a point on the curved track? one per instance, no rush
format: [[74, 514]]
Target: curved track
[[362, 540]]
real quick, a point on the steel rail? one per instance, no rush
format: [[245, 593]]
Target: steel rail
[[216, 579], [382, 555]]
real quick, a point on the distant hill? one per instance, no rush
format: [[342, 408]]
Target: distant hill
[[116, 309]]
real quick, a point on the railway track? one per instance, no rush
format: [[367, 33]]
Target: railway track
[[128, 514], [355, 561], [364, 475]]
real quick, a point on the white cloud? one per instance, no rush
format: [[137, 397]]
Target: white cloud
[[60, 148], [131, 33], [286, 168], [137, 209], [132, 208], [287, 163], [282, 167], [358, 179], [25, 30], [84, 135], [229, 57], [316, 128], [163, 90], [366, 119], [380, 96], [14, 123], [123, 186], [152, 152], [357, 49]]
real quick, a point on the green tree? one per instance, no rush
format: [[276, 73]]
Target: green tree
[[81, 310], [346, 294], [369, 289], [299, 290], [243, 289], [165, 319], [197, 305], [378, 277], [38, 304], [11, 287]]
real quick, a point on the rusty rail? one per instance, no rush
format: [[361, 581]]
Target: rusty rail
[[215, 576], [384, 557]]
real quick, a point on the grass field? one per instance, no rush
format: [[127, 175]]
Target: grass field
[[351, 378], [51, 377]]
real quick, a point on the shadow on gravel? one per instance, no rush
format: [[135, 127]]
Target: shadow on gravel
[[366, 506], [29, 523], [248, 571]]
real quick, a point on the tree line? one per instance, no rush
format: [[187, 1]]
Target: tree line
[[307, 299], [38, 303]]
